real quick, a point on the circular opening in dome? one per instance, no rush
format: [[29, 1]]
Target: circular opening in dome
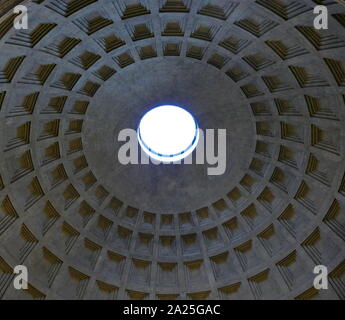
[[168, 133]]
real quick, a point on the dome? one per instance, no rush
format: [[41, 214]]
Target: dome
[[88, 227]]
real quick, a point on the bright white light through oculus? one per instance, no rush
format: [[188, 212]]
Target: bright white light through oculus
[[168, 133]]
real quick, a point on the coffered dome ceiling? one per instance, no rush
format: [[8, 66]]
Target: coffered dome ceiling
[[88, 227]]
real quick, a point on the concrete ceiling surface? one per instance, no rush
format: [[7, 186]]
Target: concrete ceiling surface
[[88, 227]]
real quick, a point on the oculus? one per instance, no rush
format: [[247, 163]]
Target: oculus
[[168, 133]]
